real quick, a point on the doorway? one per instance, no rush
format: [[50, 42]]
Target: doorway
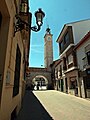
[[86, 81], [62, 85], [66, 85]]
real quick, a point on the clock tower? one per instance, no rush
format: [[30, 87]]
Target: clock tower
[[48, 49]]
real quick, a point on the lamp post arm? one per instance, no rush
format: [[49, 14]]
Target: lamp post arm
[[20, 25], [34, 28]]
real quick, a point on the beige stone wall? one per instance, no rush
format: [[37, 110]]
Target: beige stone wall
[[8, 103], [8, 46]]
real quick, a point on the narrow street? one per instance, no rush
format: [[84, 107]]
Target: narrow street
[[53, 105]]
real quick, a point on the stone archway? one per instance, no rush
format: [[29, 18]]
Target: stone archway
[[40, 76], [34, 73], [40, 82]]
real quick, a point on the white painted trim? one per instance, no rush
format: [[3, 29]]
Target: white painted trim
[[66, 50]]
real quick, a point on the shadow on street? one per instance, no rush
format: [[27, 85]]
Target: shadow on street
[[32, 109]]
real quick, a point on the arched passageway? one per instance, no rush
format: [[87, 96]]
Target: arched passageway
[[40, 77], [40, 82]]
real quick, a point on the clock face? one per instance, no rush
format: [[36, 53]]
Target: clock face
[[49, 38]]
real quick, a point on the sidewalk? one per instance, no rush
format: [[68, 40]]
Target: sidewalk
[[32, 109]]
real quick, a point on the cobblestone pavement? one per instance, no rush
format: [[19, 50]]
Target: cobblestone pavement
[[63, 106]]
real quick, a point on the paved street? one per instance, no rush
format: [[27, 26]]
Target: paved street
[[62, 106], [53, 105]]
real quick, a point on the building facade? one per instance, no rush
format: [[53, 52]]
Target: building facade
[[55, 74], [70, 35], [14, 49], [83, 62]]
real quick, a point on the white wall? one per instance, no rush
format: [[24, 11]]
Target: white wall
[[81, 54], [80, 29]]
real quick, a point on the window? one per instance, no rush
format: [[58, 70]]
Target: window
[[87, 82], [17, 72], [70, 59], [62, 45], [59, 48], [88, 71], [64, 64], [8, 77], [0, 85], [0, 19], [66, 38], [56, 73], [88, 57], [60, 70]]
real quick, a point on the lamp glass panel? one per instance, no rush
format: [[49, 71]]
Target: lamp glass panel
[[24, 7], [39, 18]]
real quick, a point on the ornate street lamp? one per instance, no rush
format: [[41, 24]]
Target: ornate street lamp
[[21, 24]]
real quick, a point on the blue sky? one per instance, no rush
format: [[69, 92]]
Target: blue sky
[[57, 13]]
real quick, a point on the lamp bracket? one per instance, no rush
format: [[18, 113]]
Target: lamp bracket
[[20, 25]]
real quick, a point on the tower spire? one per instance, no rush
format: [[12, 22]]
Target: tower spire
[[48, 28], [48, 31]]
